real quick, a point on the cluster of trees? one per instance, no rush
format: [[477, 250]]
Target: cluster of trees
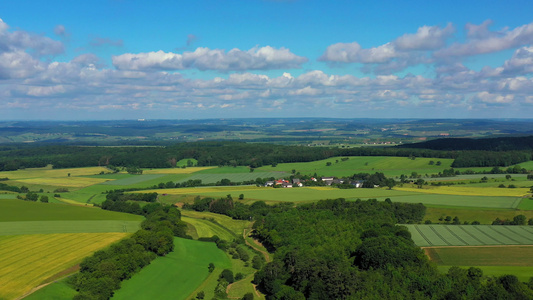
[[335, 249], [120, 196], [102, 273], [517, 220], [12, 188]]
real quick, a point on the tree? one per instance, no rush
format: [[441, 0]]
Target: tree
[[211, 267], [227, 275], [519, 220], [200, 295], [241, 196], [44, 199], [328, 163], [507, 176], [420, 182]]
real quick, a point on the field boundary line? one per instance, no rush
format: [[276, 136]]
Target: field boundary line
[[438, 234], [423, 235], [455, 235], [487, 235], [516, 203], [473, 236], [519, 227], [492, 227]]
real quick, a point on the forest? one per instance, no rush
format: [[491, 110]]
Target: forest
[[335, 249], [19, 156]]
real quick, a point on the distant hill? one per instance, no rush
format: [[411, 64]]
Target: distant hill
[[485, 144]]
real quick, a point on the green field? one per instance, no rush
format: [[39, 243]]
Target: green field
[[56, 291], [19, 210], [234, 177], [176, 275], [470, 214], [470, 235], [47, 227], [390, 166], [494, 261], [307, 194]]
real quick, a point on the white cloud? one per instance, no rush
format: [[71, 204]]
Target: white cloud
[[32, 43], [264, 58], [426, 38], [483, 41]]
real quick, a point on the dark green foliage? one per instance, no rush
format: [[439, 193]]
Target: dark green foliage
[[44, 199], [5, 187], [248, 296], [101, 273], [227, 275], [211, 267], [335, 249]]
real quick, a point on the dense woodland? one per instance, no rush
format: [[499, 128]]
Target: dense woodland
[[254, 155], [335, 249]]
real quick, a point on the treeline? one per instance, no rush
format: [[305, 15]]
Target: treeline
[[223, 154], [102, 273], [335, 249], [498, 144]]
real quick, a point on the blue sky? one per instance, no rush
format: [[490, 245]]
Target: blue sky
[[121, 59]]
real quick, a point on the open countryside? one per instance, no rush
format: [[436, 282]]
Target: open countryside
[[214, 205]]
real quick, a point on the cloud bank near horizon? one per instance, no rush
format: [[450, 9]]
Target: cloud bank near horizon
[[260, 81]]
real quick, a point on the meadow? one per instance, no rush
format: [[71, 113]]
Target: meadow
[[18, 210], [178, 274], [309, 194], [470, 235], [78, 226], [494, 261], [29, 260], [390, 166]]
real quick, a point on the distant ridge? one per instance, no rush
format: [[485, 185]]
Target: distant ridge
[[485, 144]]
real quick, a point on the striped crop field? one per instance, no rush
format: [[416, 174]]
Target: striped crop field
[[470, 235], [47, 227], [28, 260]]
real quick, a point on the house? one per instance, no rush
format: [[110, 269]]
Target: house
[[297, 182], [328, 180], [269, 183]]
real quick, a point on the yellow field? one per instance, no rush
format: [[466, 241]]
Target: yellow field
[[54, 173], [176, 170], [68, 201], [28, 260], [211, 189], [467, 191], [63, 181]]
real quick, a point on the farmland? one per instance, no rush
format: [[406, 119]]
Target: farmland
[[28, 260], [17, 210], [186, 265], [496, 260], [390, 166], [470, 235], [474, 200]]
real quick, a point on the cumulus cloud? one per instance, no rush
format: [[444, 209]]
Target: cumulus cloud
[[263, 58], [20, 40], [426, 38], [405, 51], [481, 40], [139, 82]]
